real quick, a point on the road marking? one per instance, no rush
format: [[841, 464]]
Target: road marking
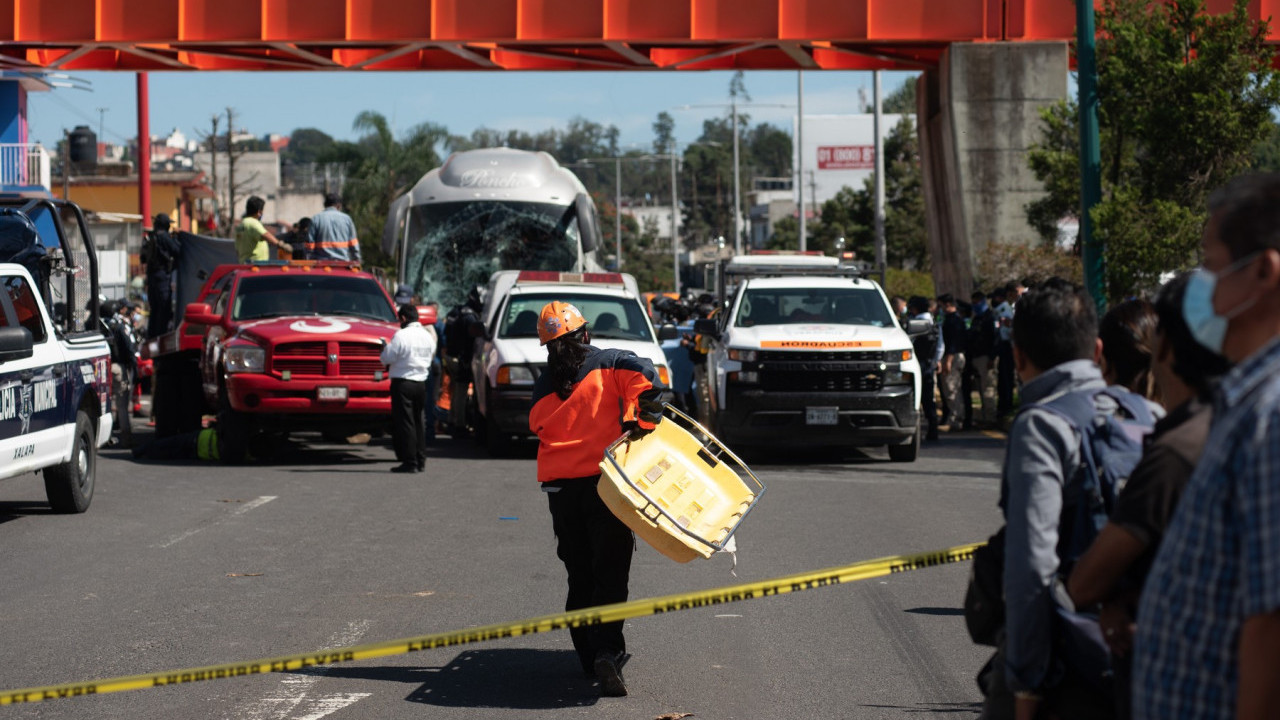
[[256, 502], [295, 688]]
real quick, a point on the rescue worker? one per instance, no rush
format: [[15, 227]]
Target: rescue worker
[[408, 356], [585, 400], [195, 445]]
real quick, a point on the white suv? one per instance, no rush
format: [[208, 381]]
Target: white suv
[[511, 357]]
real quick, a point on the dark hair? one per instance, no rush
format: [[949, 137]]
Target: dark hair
[[1197, 366], [303, 225], [407, 313], [254, 205], [1248, 213], [946, 299], [978, 296], [1128, 333], [918, 304], [331, 199], [565, 356], [1055, 323]]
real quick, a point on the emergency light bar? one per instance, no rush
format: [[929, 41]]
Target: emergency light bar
[[779, 270], [565, 277]]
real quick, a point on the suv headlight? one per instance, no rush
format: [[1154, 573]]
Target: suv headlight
[[244, 359], [742, 355], [515, 375], [894, 375]]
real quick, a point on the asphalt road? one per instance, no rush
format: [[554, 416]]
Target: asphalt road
[[178, 565]]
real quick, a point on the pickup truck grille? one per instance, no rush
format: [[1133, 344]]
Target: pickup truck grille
[[817, 371], [312, 359]]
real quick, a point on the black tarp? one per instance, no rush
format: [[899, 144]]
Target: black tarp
[[197, 259]]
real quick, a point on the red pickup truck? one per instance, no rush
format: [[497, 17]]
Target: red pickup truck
[[289, 348]]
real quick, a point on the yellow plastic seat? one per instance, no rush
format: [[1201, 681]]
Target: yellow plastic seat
[[678, 488]]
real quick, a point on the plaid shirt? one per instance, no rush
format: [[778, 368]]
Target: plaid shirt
[[1219, 563]]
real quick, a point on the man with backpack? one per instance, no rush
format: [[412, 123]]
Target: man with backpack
[[118, 318], [1070, 447], [160, 255]]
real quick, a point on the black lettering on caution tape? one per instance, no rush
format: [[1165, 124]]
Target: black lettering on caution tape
[[580, 618]]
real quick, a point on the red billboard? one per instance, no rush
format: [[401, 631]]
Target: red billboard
[[846, 157]]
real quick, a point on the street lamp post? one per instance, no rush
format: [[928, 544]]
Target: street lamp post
[[675, 233]]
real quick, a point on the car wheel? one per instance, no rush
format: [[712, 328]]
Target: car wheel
[[907, 452], [69, 486]]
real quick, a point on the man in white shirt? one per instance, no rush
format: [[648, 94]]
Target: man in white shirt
[[408, 356]]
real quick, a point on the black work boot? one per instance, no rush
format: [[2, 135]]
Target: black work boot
[[609, 674]]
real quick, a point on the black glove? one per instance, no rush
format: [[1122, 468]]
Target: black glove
[[634, 431]]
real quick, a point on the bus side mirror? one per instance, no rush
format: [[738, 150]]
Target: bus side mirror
[[588, 226], [708, 327], [667, 331]]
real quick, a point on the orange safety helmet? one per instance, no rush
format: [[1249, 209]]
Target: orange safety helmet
[[558, 318]]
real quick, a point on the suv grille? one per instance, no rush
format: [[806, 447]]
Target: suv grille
[[312, 359], [818, 371]]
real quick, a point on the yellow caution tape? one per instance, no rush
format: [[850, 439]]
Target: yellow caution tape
[[578, 618]]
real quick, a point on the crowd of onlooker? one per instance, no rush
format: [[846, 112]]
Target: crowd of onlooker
[[1138, 570], [969, 351]]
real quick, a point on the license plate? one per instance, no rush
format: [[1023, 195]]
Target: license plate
[[821, 416], [331, 393]]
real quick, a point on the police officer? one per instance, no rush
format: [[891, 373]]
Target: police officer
[[161, 258], [408, 356], [124, 365], [585, 400]]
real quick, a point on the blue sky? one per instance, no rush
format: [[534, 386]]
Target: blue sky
[[280, 102]]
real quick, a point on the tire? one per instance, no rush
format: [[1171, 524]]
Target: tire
[[497, 443], [233, 434], [69, 486], [908, 452]]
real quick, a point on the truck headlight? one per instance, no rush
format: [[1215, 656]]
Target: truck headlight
[[747, 377], [742, 355], [515, 375], [244, 359], [895, 376]]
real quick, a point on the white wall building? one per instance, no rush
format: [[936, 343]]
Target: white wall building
[[838, 150]]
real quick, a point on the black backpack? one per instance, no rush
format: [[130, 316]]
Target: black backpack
[[925, 346], [982, 335]]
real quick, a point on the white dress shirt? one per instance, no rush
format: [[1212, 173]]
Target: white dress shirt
[[409, 353]]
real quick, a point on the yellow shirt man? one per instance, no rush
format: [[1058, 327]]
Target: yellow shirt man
[[251, 241]]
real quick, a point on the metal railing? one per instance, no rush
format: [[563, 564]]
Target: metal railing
[[24, 165]]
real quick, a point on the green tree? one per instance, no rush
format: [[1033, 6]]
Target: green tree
[[1266, 154], [306, 145], [1186, 96], [387, 166], [901, 101]]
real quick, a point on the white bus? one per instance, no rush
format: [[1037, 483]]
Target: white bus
[[489, 210]]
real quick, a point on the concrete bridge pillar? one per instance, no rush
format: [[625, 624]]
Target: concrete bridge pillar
[[979, 113]]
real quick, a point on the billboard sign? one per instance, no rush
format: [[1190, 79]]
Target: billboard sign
[[846, 157]]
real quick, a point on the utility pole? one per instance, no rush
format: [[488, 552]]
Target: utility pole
[[1090, 153], [804, 240], [231, 169], [675, 208], [66, 164], [737, 174], [102, 116], [881, 261], [617, 208], [213, 167]]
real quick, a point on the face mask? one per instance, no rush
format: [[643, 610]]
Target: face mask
[[1206, 326]]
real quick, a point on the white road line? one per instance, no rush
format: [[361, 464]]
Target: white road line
[[256, 502], [294, 689]]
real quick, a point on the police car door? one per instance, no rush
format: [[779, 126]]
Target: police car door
[[34, 431]]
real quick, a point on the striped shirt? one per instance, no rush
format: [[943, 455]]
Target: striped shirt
[[333, 237], [1219, 563]]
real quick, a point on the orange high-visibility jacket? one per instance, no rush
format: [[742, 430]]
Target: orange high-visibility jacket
[[613, 387]]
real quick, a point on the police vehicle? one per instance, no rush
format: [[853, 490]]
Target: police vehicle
[[55, 364]]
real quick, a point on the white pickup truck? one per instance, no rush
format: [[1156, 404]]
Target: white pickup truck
[[509, 356], [55, 369], [808, 354]]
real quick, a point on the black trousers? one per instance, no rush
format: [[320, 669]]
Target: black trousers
[[160, 301], [408, 422], [1004, 379], [928, 403], [596, 549]]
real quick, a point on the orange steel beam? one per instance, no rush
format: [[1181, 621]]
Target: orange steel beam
[[521, 34]]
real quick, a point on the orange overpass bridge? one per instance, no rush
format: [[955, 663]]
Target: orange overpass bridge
[[988, 66]]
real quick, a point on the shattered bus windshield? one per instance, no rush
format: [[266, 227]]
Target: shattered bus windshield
[[456, 246]]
